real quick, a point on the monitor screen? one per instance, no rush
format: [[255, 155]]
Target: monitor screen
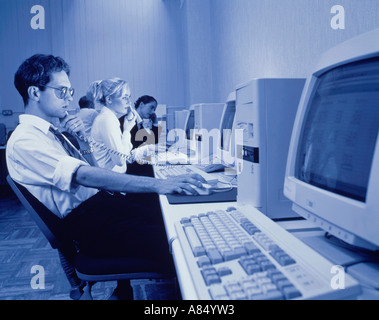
[[190, 124], [340, 128], [227, 126]]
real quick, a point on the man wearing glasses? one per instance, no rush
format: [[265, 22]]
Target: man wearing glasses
[[102, 223]]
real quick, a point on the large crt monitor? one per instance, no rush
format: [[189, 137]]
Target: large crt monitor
[[332, 174]]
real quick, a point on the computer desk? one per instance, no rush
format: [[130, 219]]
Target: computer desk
[[172, 214], [305, 230]]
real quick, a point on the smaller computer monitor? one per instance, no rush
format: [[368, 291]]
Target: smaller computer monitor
[[181, 119], [225, 151], [190, 124], [184, 131]]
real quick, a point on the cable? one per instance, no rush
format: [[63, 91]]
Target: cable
[[338, 242], [130, 158]]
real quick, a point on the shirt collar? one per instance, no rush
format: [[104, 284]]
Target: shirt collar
[[35, 121], [108, 112], [138, 117]]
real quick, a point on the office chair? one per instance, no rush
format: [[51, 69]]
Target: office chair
[[3, 134], [82, 271]]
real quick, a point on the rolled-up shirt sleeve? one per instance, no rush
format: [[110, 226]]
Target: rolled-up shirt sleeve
[[52, 166], [42, 165], [63, 174]]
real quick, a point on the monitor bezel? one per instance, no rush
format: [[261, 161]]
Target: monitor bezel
[[221, 153]]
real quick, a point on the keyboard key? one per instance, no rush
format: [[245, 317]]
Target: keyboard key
[[269, 286], [224, 271], [203, 261], [233, 287], [228, 254], [249, 265], [237, 262], [194, 241], [249, 227], [271, 295], [251, 247], [210, 276], [185, 220], [267, 265], [281, 284], [238, 295], [211, 279], [282, 257], [275, 278], [214, 256], [253, 292], [291, 292], [218, 292]]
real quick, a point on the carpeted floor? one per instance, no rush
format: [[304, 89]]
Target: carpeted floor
[[23, 246]]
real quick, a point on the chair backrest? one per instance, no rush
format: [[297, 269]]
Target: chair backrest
[[48, 222], [3, 134]]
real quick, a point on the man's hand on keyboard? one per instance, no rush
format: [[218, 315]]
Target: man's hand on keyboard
[[181, 184]]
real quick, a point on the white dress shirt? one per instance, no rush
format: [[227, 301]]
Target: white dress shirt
[[88, 116], [106, 130], [38, 161]]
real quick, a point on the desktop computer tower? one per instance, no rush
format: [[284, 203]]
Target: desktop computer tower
[[171, 126], [207, 118], [265, 112], [170, 116], [208, 115]]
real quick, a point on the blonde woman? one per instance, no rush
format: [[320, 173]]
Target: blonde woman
[[113, 95]]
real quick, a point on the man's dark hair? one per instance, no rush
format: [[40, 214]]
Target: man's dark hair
[[84, 102], [145, 99], [36, 71]]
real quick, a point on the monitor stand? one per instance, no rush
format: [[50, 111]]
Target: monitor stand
[[360, 264]]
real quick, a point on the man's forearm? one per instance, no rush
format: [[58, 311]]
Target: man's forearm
[[112, 181]]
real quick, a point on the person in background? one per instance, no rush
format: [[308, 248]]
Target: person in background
[[87, 113], [90, 95], [145, 131], [89, 200], [114, 97]]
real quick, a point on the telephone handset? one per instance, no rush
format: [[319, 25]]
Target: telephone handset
[[130, 158]]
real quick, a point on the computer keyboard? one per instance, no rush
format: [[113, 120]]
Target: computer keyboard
[[213, 167], [173, 158], [242, 254], [163, 172]]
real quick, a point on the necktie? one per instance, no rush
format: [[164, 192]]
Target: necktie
[[67, 145]]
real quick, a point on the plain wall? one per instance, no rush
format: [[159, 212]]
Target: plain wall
[[140, 41], [180, 51], [277, 38]]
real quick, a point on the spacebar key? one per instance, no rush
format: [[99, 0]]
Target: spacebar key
[[194, 241]]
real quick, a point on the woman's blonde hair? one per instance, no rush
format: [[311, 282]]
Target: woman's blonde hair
[[99, 90]]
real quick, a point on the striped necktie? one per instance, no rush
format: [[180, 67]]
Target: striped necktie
[[67, 145]]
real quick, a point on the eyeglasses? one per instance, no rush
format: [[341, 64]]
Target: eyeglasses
[[62, 91]]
